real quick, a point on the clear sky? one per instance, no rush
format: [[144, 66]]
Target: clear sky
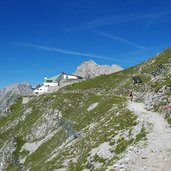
[[41, 38]]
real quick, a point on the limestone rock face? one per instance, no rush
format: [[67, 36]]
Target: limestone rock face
[[89, 69], [10, 93], [6, 153]]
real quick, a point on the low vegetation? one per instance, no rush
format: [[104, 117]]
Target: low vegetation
[[81, 130]]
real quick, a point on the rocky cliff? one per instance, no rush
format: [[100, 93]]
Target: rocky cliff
[[89, 69], [10, 93]]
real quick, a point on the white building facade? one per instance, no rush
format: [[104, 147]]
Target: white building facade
[[54, 82]]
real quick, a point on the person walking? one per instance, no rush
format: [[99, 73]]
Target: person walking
[[131, 96]]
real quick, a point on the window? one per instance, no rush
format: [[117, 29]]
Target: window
[[48, 81]]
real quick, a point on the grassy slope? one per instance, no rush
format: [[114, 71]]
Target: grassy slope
[[122, 81], [108, 125], [110, 117], [74, 108]]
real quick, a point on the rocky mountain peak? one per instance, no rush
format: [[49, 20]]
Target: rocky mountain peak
[[10, 93], [88, 63], [90, 69]]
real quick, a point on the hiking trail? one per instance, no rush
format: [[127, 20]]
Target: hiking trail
[[153, 154]]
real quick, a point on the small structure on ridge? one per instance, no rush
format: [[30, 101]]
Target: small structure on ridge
[[54, 82]]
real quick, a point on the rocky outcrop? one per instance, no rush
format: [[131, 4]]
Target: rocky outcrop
[[90, 69], [45, 125], [14, 122], [9, 94], [157, 101], [6, 153]]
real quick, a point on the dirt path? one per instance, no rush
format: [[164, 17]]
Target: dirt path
[[153, 154]]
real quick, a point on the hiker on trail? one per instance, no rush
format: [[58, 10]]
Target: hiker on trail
[[169, 108], [131, 95]]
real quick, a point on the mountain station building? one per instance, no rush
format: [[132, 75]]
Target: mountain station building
[[54, 82]]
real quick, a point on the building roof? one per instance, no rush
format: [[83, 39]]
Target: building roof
[[52, 79], [57, 78]]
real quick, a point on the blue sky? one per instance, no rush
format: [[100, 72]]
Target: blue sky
[[41, 38]]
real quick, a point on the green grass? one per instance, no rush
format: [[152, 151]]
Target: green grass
[[15, 165], [140, 135], [122, 145], [122, 80], [15, 111], [110, 117], [95, 138], [38, 158]]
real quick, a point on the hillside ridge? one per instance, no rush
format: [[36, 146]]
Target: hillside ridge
[[93, 125]]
